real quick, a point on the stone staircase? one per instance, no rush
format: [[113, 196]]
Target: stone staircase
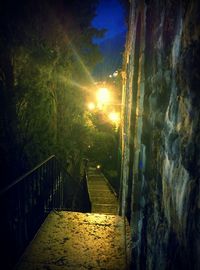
[[72, 240], [102, 196]]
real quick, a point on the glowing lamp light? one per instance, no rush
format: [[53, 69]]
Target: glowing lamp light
[[98, 166], [115, 74], [114, 117], [91, 106], [103, 96]]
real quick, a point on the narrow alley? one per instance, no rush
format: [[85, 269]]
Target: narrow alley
[[100, 135], [72, 240]]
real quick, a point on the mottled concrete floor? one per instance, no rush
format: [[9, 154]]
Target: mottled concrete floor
[[102, 197], [70, 240]]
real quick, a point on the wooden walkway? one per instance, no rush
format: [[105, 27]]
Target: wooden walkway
[[102, 196]]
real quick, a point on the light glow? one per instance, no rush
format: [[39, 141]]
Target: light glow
[[114, 117], [115, 74], [103, 96], [91, 106]]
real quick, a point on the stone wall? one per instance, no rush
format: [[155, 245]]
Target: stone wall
[[160, 134]]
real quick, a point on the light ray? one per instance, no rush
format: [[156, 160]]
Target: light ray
[[81, 62]]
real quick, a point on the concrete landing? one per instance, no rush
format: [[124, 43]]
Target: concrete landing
[[77, 241], [102, 197]]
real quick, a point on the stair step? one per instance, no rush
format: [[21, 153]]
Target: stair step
[[102, 198]]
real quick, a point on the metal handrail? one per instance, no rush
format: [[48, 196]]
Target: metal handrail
[[24, 205], [25, 175]]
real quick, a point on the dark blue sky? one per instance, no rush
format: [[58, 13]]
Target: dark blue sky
[[110, 15]]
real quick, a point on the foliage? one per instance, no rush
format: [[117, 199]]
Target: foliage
[[45, 48], [103, 141]]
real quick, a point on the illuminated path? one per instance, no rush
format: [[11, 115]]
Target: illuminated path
[[102, 197], [71, 240]]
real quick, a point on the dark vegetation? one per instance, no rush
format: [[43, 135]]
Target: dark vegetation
[[44, 46]]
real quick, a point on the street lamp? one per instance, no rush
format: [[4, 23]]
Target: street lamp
[[114, 117], [105, 104], [91, 106], [103, 96]]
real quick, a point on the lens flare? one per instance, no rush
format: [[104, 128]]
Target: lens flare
[[91, 106], [103, 96], [114, 117]]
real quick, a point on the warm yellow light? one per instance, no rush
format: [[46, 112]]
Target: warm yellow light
[[103, 96], [98, 166], [91, 106], [114, 117]]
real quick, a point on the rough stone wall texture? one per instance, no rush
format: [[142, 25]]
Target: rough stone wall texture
[[160, 173]]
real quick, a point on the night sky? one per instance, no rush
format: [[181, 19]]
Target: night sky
[[110, 15]]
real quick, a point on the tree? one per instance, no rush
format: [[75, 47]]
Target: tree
[[46, 47]]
